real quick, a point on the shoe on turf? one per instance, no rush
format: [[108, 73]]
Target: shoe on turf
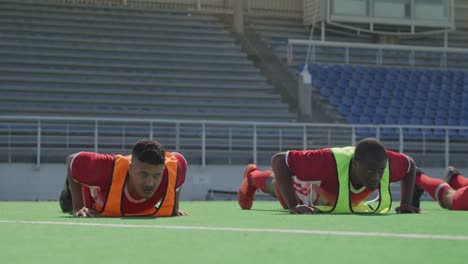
[[449, 173], [65, 199], [247, 190]]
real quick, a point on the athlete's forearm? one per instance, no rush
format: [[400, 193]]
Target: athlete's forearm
[[177, 198], [76, 194], [407, 185], [283, 178], [75, 187]]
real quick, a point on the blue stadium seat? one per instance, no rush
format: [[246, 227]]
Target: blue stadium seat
[[398, 96], [352, 119]]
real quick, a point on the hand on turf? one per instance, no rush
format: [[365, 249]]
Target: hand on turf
[[408, 209], [86, 212], [303, 209], [181, 213]]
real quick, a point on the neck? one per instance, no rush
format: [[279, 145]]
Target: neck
[[356, 185], [353, 177], [130, 191]]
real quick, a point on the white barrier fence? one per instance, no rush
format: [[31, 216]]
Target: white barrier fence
[[44, 139], [381, 54]]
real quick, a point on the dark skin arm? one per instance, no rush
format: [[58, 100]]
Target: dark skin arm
[[407, 188], [283, 178]]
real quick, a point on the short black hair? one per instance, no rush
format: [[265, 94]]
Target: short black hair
[[149, 151], [370, 149]]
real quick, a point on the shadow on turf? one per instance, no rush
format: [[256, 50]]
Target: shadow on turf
[[282, 211], [64, 215], [123, 218], [285, 212], [277, 211]]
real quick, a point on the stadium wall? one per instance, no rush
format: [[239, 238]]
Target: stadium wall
[[25, 182], [461, 19]]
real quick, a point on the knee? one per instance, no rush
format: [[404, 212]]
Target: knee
[[70, 158], [277, 159], [447, 199]]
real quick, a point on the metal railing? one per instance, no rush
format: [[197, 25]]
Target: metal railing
[[346, 50], [33, 138]]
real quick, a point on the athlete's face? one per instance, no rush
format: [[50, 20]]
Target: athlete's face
[[144, 178], [370, 172]]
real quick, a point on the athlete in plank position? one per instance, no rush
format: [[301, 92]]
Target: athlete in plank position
[[146, 183], [334, 180]]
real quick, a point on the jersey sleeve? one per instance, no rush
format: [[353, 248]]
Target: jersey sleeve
[[92, 169], [310, 165], [181, 169], [399, 165]]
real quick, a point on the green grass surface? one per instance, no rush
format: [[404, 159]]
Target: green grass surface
[[219, 232]]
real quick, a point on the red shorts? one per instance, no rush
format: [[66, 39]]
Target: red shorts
[[460, 199]]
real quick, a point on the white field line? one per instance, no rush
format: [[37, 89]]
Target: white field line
[[253, 230]]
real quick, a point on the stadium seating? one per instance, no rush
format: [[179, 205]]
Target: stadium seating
[[373, 94], [407, 96], [124, 62]]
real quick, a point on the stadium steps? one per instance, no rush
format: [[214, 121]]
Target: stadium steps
[[124, 13], [163, 91], [117, 51], [181, 112], [117, 43], [321, 112], [106, 30], [91, 16], [54, 63], [121, 76], [143, 62], [131, 61], [136, 100], [136, 86], [113, 37]]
